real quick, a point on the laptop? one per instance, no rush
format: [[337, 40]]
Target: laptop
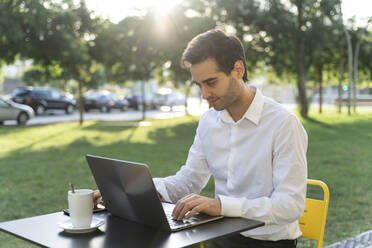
[[129, 192]]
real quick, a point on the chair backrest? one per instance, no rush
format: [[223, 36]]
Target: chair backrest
[[312, 222]]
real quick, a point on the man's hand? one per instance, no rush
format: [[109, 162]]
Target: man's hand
[[193, 204], [97, 199]]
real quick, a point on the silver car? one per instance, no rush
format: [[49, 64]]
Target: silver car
[[13, 111]]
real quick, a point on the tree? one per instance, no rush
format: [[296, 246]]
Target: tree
[[179, 29], [43, 75], [283, 33], [111, 48], [20, 24], [64, 39], [359, 36], [324, 52], [144, 44], [341, 78], [50, 33], [350, 67], [128, 50], [365, 57], [354, 35], [11, 35]]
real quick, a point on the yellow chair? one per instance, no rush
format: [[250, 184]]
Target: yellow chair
[[312, 222]]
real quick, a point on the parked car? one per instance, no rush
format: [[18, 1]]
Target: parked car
[[104, 102], [43, 98], [13, 111], [135, 101]]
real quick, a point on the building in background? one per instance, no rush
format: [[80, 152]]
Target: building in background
[[9, 84]]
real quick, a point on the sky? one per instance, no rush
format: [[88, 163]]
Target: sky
[[116, 10], [361, 9]]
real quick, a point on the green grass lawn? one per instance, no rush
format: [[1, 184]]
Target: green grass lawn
[[37, 163]]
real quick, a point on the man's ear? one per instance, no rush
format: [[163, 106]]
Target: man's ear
[[239, 68]]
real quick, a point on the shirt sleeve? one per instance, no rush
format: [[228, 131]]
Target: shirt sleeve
[[191, 178], [287, 200]]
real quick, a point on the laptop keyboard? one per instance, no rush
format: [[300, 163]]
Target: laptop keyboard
[[175, 223]]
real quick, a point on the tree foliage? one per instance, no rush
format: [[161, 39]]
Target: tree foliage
[[296, 39], [288, 35]]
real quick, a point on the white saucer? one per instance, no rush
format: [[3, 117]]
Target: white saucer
[[67, 226]]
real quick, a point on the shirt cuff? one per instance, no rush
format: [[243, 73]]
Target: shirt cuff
[[230, 206], [160, 187]]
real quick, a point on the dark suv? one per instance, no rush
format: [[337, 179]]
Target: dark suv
[[42, 99], [104, 102]]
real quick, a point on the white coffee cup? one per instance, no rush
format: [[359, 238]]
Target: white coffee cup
[[80, 205]]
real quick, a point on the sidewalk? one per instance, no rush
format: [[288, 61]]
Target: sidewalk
[[195, 107], [363, 240]]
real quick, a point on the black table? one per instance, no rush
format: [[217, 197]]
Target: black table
[[43, 231]]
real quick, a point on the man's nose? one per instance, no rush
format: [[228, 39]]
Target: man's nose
[[205, 92]]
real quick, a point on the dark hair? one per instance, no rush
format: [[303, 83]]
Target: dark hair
[[215, 44]]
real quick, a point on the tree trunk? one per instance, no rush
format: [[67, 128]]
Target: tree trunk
[[143, 100], [350, 74], [339, 88], [302, 86], [320, 76], [301, 83], [81, 103], [188, 85], [355, 73], [80, 89]]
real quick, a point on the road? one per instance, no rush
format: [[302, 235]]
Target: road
[[195, 107]]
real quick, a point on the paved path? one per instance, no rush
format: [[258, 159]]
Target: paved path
[[112, 116], [195, 107], [363, 240], [59, 116]]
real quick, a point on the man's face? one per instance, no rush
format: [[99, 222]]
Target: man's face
[[219, 89]]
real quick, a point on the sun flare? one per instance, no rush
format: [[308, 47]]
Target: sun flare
[[117, 10], [162, 6]]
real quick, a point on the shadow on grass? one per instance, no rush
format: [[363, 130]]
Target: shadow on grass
[[111, 126], [358, 129], [319, 123], [12, 129]]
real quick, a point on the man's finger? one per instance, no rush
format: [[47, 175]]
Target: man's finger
[[180, 204], [195, 211], [96, 198], [188, 207], [96, 194]]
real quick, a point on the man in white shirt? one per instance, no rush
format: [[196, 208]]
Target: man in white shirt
[[254, 148]]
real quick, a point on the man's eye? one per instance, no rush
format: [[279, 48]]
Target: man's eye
[[211, 83]]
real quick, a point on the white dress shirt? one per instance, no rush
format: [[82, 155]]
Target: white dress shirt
[[258, 164]]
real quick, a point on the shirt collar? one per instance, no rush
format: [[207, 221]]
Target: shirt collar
[[253, 112]]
